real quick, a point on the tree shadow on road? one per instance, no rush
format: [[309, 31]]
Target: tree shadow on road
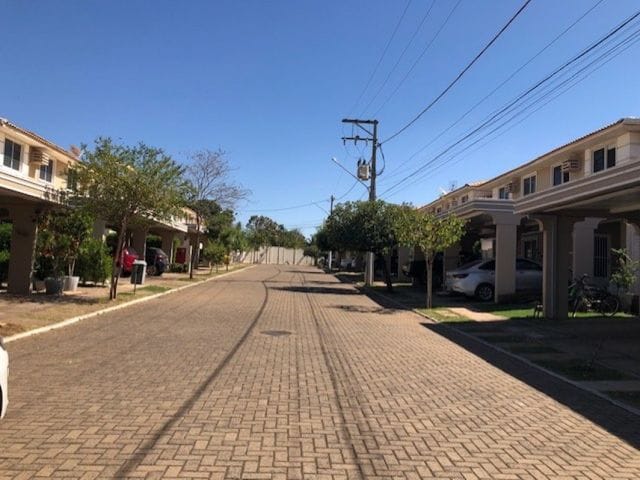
[[617, 421], [320, 290]]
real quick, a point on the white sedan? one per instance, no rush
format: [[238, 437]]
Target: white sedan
[[4, 379]]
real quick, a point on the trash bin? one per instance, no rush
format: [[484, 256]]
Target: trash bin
[[138, 272]]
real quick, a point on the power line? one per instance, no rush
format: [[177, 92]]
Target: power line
[[384, 52], [626, 43], [415, 63], [461, 74], [384, 83], [608, 55], [505, 81]]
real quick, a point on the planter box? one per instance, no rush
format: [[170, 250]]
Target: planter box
[[70, 284]]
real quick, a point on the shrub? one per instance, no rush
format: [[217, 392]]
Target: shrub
[[94, 262], [178, 268]]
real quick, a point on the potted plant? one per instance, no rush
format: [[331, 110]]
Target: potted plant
[[624, 276], [48, 265], [60, 238]]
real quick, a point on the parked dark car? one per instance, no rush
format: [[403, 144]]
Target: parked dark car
[[417, 269], [157, 261]]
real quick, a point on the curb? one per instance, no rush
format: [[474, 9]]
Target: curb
[[79, 318], [578, 385]]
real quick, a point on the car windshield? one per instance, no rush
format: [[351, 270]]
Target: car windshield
[[469, 265]]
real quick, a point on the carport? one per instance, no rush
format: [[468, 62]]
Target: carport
[[574, 210]]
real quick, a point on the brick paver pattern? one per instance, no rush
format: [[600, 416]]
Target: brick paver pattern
[[283, 372]]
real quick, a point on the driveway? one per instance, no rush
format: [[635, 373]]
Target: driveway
[[283, 372]]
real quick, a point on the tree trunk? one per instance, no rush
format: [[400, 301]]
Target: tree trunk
[[429, 263], [117, 264], [387, 272]]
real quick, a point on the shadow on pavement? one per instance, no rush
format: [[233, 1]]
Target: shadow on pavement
[[615, 420], [325, 290]]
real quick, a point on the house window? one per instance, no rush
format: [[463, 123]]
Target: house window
[[604, 159], [12, 154], [72, 180], [530, 247], [559, 177], [464, 199], [46, 171], [503, 193], [529, 185]]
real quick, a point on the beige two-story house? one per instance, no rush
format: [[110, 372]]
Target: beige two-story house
[[567, 208]]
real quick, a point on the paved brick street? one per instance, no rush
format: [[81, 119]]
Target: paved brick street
[[284, 373]]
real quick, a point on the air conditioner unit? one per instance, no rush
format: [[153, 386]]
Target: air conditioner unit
[[572, 165], [37, 156]]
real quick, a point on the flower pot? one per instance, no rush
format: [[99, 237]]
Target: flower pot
[[53, 286], [70, 284]]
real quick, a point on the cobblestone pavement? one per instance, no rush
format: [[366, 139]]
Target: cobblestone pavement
[[284, 373]]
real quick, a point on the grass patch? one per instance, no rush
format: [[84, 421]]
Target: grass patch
[[631, 398], [191, 280], [579, 370], [154, 289]]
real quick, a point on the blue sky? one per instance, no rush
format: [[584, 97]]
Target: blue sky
[[269, 83]]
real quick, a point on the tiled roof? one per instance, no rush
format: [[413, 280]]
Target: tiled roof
[[38, 138]]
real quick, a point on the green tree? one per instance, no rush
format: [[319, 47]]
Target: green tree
[[215, 254], [129, 185], [432, 234], [365, 227]]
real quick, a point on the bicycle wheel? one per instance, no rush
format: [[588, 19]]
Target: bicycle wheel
[[609, 305]]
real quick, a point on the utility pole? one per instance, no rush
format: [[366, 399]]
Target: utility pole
[[330, 250], [373, 138]]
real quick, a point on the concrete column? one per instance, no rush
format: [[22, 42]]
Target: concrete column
[[139, 241], [167, 244], [582, 258], [505, 274], [23, 245], [557, 239], [100, 230]]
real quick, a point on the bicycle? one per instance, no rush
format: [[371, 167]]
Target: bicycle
[[583, 294]]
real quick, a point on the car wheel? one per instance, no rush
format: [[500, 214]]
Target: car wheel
[[485, 292], [151, 270]]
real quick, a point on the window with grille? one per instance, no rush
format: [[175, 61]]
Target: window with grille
[[601, 256]]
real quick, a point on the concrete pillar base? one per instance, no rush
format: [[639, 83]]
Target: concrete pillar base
[[23, 244], [557, 238]]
